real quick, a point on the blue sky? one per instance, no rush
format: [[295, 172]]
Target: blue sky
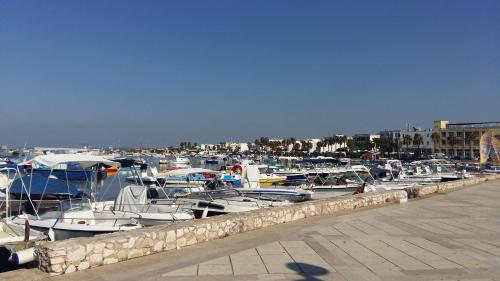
[[153, 73]]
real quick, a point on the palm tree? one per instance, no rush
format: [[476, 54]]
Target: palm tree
[[326, 143], [296, 147], [469, 138], [319, 145], [452, 141], [397, 146], [351, 144], [344, 140], [303, 145], [337, 140], [418, 141], [407, 141], [436, 139]]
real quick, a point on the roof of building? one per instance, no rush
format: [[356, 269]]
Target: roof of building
[[475, 124]]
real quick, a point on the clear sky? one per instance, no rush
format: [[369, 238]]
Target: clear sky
[[150, 73]]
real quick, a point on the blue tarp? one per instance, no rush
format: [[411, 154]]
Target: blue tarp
[[35, 184]]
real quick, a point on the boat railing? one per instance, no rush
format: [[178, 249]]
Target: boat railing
[[17, 206], [175, 206], [87, 220]]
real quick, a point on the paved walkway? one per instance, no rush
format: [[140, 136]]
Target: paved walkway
[[446, 237]]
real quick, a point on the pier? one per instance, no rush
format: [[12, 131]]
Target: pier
[[452, 236]]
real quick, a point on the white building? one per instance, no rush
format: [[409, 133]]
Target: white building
[[427, 145], [365, 138], [207, 146]]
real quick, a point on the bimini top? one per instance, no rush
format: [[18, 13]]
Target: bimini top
[[43, 187], [85, 161]]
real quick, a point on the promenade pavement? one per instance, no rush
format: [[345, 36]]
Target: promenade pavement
[[454, 236]]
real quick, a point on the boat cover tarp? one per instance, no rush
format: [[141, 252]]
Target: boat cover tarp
[[250, 176], [131, 198], [85, 161], [39, 186]]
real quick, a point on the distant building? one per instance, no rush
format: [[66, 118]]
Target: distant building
[[427, 145], [207, 146], [365, 138], [241, 147], [454, 137]]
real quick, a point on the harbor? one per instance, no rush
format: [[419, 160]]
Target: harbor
[[61, 196]]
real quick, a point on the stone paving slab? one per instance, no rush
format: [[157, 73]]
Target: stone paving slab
[[446, 238]]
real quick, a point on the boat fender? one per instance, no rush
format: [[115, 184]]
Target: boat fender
[[52, 234], [23, 256], [237, 169], [205, 212]]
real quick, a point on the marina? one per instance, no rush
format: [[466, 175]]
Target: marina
[[55, 197]]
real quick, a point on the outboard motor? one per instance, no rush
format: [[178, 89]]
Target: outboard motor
[[153, 193]]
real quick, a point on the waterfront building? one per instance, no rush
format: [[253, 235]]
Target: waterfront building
[[365, 138], [426, 147], [461, 140]]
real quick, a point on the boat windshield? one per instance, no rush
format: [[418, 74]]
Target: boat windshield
[[75, 205]]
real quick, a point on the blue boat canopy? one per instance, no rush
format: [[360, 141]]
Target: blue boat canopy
[[41, 187]]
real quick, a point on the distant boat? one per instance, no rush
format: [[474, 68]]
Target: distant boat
[[176, 161]]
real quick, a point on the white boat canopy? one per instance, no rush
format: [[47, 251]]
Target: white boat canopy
[[85, 160]]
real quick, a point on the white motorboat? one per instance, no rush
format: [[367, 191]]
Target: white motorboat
[[251, 181], [216, 202], [75, 218], [145, 205], [72, 218], [176, 161]]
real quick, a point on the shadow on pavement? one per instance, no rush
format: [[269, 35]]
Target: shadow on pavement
[[308, 271]]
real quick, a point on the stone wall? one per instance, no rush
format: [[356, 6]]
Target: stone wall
[[443, 187], [71, 255]]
